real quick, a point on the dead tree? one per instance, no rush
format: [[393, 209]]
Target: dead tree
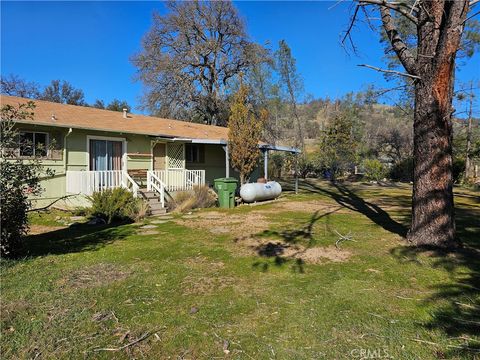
[[431, 66]]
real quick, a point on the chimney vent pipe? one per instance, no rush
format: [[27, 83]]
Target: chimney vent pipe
[[125, 113]]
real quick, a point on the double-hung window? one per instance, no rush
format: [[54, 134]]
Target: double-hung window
[[33, 144], [194, 153]]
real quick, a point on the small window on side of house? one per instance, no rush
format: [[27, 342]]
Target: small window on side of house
[[33, 144], [193, 153]]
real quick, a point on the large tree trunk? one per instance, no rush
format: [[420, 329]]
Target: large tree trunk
[[439, 33], [432, 200]]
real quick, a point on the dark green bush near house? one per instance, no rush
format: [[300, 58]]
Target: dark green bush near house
[[374, 169], [114, 205], [18, 179]]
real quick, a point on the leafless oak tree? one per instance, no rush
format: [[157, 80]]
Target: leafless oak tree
[[190, 57]]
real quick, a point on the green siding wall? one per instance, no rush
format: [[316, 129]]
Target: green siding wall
[[75, 158], [138, 157]]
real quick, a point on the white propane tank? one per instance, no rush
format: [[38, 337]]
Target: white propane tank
[[258, 191]]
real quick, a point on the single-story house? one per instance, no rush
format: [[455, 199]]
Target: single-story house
[[91, 149]]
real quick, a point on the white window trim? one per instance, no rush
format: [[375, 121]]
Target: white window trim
[[47, 139], [124, 149]]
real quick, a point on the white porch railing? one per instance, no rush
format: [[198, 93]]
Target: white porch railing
[[88, 182], [180, 179], [155, 184], [129, 183]]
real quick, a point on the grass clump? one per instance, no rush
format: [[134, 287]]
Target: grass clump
[[200, 197], [114, 205]]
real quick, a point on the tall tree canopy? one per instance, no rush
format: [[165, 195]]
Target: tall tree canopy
[[428, 57], [190, 57], [63, 92]]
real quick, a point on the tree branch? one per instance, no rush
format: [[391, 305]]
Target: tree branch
[[391, 71], [404, 54], [393, 6], [347, 33], [57, 200]]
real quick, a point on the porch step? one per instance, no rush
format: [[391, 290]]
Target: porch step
[[158, 212], [153, 201], [149, 194], [155, 205]]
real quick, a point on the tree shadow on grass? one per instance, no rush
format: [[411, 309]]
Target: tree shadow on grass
[[78, 238], [289, 238], [456, 303], [351, 200]]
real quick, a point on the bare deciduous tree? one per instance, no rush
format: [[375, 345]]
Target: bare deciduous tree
[[430, 63], [189, 58], [13, 85]]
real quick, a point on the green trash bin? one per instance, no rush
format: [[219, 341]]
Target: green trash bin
[[226, 188]]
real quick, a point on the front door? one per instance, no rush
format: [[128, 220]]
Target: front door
[[159, 157]]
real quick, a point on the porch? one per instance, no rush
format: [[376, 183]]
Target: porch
[[87, 182]]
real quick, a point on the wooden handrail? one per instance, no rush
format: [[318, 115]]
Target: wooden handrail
[[154, 183]]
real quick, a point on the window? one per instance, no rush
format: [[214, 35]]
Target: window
[[33, 144], [105, 155], [194, 153]]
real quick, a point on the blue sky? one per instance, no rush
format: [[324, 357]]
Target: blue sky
[[90, 43]]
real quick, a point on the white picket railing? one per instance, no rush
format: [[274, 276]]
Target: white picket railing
[[129, 183], [180, 179], [88, 182], [157, 185]]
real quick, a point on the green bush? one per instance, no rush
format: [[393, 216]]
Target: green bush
[[374, 169], [114, 205], [19, 180]]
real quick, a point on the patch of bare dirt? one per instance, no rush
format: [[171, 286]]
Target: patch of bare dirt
[[306, 206], [95, 275], [274, 248], [41, 229], [236, 225]]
